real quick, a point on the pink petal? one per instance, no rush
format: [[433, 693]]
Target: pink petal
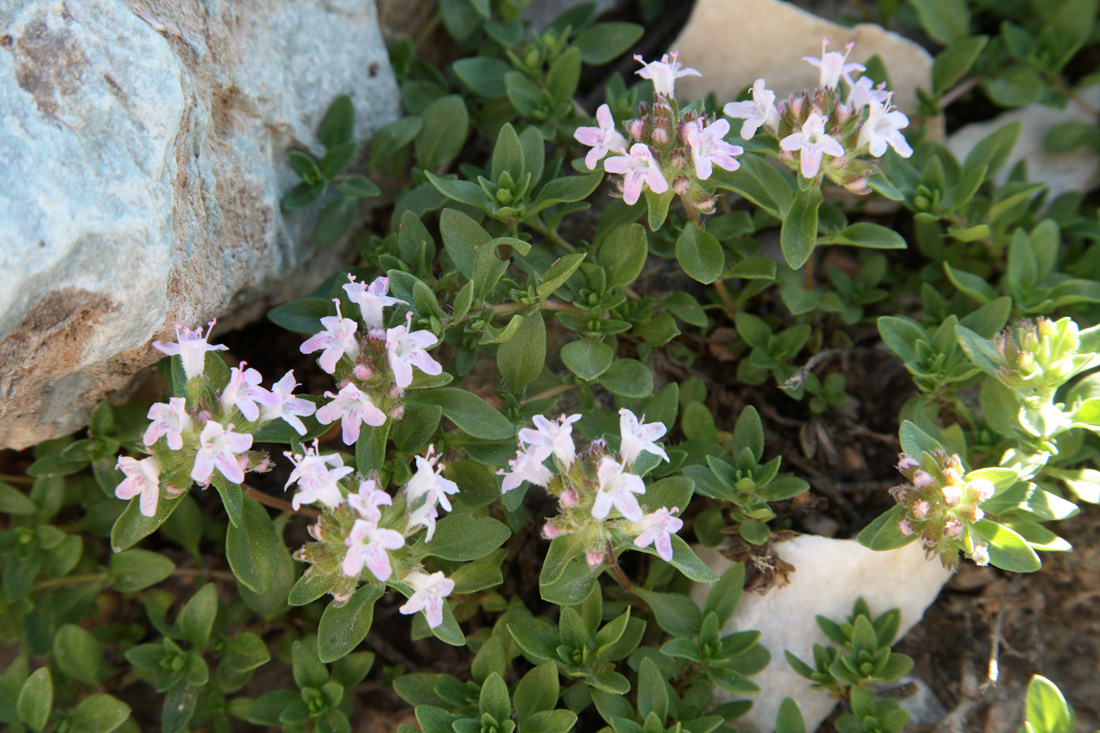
[[810, 159]]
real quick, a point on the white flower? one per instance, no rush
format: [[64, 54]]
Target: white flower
[[760, 112], [638, 437], [709, 149], [423, 516], [882, 127], [865, 91], [353, 408], [428, 481], [603, 139], [617, 489], [407, 350], [664, 73], [286, 405], [369, 498], [833, 67], [367, 544], [638, 168], [171, 420], [316, 481], [244, 391], [812, 142], [218, 447], [526, 466], [552, 436], [338, 339], [142, 477], [428, 594], [657, 529], [191, 347], [371, 299]]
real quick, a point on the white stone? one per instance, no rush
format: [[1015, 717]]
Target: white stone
[[1078, 170], [143, 152], [735, 42], [830, 575]]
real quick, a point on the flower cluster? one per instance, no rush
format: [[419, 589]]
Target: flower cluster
[[362, 528], [209, 432], [372, 367], [597, 490], [821, 131], [942, 505], [667, 149], [1039, 356]]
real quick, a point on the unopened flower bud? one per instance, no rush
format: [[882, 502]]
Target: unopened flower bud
[[953, 528], [904, 528], [984, 488], [569, 498], [660, 135], [843, 113], [264, 465], [396, 392], [920, 510], [681, 185], [678, 160], [980, 556], [593, 558], [316, 532], [597, 448], [796, 104], [952, 494], [397, 411], [341, 598], [549, 531], [362, 372], [923, 479], [637, 129], [907, 463]]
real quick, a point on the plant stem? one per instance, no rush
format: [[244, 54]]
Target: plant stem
[[727, 302], [17, 478], [276, 503], [70, 580], [552, 392], [620, 576], [550, 234]]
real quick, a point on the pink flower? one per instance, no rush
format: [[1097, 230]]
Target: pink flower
[[526, 466], [920, 510], [906, 463], [638, 168], [338, 339], [760, 112], [883, 127], [171, 420], [657, 530], [367, 544], [423, 516], [428, 594], [407, 349], [864, 91], [984, 488], [952, 494], [708, 148], [594, 559], [142, 478], [429, 482], [371, 299], [218, 447], [549, 531], [664, 73], [244, 391], [617, 488], [602, 139], [286, 405], [191, 347], [552, 437], [369, 498], [353, 408], [813, 142], [316, 481], [904, 528], [638, 437], [922, 479], [833, 67]]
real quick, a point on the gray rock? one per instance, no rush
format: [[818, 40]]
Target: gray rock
[[143, 147]]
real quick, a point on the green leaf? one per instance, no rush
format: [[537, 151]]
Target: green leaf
[[303, 315], [338, 158], [974, 286], [197, 616], [359, 187], [565, 190], [132, 526], [628, 378], [232, 497], [947, 21], [179, 707], [993, 151], [623, 254], [99, 713], [866, 234], [370, 449], [915, 441], [980, 350], [1047, 710], [789, 719], [884, 534], [341, 629], [558, 273], [587, 358], [14, 501], [312, 585], [76, 653], [652, 690], [723, 597], [700, 254], [675, 613], [657, 206], [36, 699], [798, 235], [338, 125], [252, 549], [681, 305], [521, 358], [305, 167], [1016, 86], [335, 219], [393, 137], [446, 125], [605, 42], [953, 62], [494, 699], [463, 537], [470, 413], [303, 195], [134, 570], [482, 75], [563, 77], [462, 236], [1007, 550]]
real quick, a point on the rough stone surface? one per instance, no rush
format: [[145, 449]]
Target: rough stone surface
[[829, 576], [1078, 170], [735, 42], [143, 147]]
